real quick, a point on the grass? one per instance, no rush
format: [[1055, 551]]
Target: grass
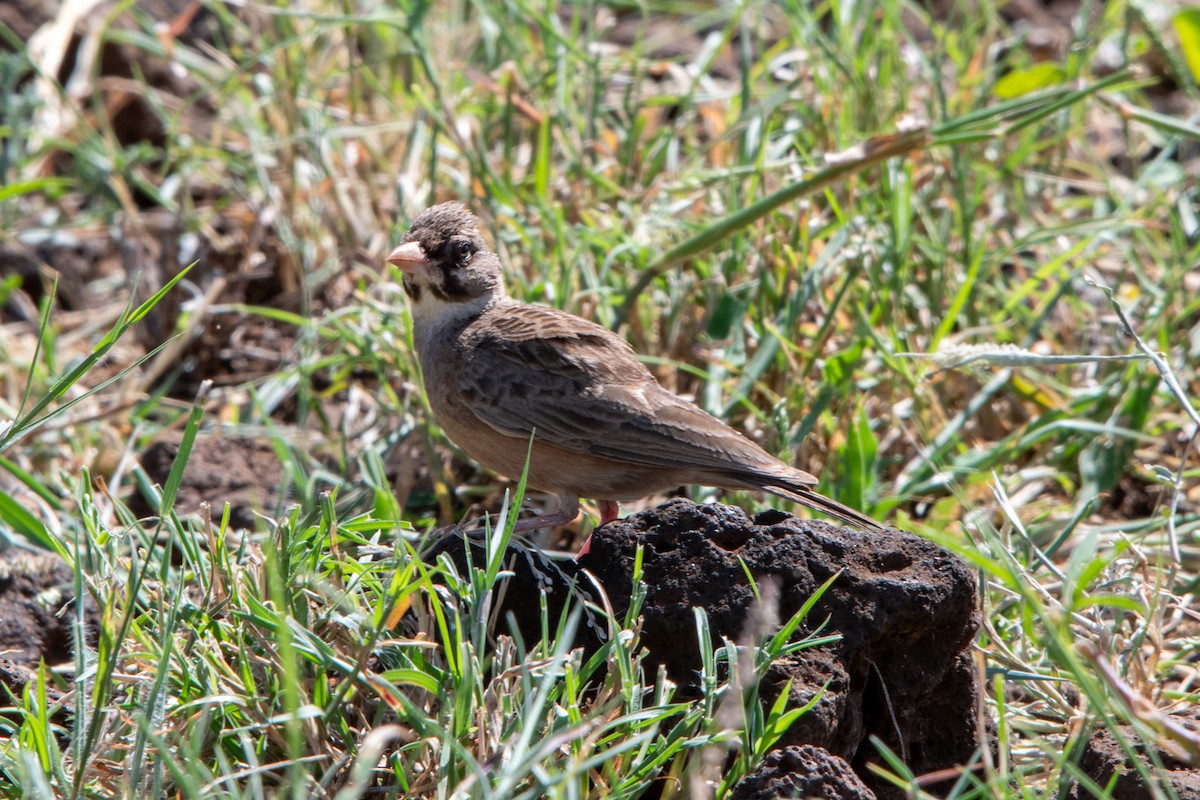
[[1037, 215]]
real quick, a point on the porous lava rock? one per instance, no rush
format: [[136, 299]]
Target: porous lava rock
[[904, 612], [904, 609], [1105, 761], [527, 573], [804, 771]]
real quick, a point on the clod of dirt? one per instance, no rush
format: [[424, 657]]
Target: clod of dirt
[[1105, 761], [17, 677], [904, 608], [34, 589], [37, 619], [802, 771], [221, 469]]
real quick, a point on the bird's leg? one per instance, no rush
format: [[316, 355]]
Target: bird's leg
[[609, 509], [568, 510]]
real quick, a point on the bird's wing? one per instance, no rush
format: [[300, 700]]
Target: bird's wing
[[580, 387]]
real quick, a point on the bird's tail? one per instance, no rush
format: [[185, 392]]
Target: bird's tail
[[826, 505]]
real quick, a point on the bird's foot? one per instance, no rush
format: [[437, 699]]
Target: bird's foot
[[609, 510]]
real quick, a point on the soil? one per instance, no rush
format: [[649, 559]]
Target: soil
[[36, 609], [1105, 762], [243, 472], [37, 623]]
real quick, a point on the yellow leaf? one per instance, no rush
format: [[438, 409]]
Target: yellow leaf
[[1023, 81], [1187, 28]]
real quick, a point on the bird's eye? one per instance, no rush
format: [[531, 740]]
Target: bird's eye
[[463, 250]]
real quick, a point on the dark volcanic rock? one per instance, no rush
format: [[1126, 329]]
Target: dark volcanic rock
[[905, 610], [1103, 758], [802, 771], [518, 596]]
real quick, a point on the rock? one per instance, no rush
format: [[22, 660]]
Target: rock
[[905, 611], [1103, 758], [802, 771], [904, 608], [517, 608]]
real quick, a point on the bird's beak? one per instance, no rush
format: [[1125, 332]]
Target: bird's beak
[[409, 257]]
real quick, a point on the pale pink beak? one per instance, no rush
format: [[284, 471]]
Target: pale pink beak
[[409, 257]]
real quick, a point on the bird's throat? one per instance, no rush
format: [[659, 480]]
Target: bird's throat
[[434, 320]]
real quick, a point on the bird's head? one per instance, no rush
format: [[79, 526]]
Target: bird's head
[[448, 269]]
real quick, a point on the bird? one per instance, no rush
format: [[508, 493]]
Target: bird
[[510, 381]]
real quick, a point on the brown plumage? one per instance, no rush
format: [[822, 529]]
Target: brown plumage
[[498, 370]]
